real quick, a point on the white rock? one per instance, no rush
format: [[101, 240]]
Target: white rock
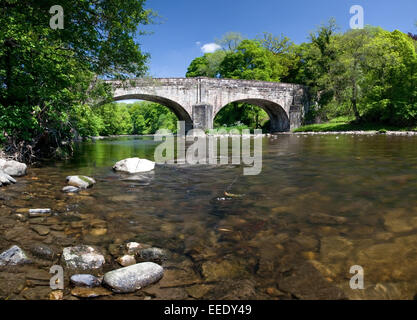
[[5, 179], [82, 257], [132, 278], [134, 165], [70, 189], [126, 260], [13, 168], [81, 182], [13, 256], [133, 247]]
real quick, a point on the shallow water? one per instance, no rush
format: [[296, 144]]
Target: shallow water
[[321, 205]]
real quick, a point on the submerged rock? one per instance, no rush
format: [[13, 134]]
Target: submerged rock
[[5, 179], [13, 168], [85, 280], [134, 165], [153, 254], [90, 292], [13, 257], [41, 230], [82, 257], [81, 182], [43, 252], [132, 278]]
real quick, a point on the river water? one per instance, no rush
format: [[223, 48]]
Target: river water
[[321, 205]]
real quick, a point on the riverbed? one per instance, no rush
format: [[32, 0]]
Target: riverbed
[[322, 204]]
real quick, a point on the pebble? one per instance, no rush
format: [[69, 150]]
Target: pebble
[[126, 260], [85, 280], [70, 189]]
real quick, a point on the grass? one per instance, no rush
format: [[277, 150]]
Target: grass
[[346, 124]]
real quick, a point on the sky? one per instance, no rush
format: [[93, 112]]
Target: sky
[[187, 28]]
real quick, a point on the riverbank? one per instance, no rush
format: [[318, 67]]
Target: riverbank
[[344, 124]]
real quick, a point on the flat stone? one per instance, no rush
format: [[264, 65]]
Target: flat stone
[[85, 280], [13, 257], [41, 230], [321, 218], [214, 271], [133, 278], [82, 257], [90, 292], [134, 165], [82, 182]]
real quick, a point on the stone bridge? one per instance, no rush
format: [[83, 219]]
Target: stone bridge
[[198, 100]]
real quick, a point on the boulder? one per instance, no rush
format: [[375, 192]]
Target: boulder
[[134, 165], [153, 254], [13, 257], [82, 258], [13, 168], [81, 182], [133, 278]]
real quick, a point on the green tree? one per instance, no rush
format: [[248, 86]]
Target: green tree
[[45, 72], [251, 61], [207, 65]]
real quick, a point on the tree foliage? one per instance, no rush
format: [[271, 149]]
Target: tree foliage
[[46, 73]]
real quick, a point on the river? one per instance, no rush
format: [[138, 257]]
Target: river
[[321, 205]]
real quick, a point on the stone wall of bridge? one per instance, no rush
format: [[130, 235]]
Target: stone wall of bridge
[[198, 100]]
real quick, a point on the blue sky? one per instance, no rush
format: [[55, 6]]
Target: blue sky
[[186, 25]]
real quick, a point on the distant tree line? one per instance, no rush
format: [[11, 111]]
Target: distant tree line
[[120, 118]]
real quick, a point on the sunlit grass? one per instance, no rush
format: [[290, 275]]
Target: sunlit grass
[[347, 124]]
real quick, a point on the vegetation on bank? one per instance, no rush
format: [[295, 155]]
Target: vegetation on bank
[[47, 75], [340, 124]]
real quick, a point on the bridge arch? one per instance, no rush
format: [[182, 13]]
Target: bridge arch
[[280, 121], [175, 107]]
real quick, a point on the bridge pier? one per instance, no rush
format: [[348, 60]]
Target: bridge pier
[[296, 116], [202, 116]]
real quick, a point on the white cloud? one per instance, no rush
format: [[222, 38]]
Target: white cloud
[[210, 47], [198, 43]]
